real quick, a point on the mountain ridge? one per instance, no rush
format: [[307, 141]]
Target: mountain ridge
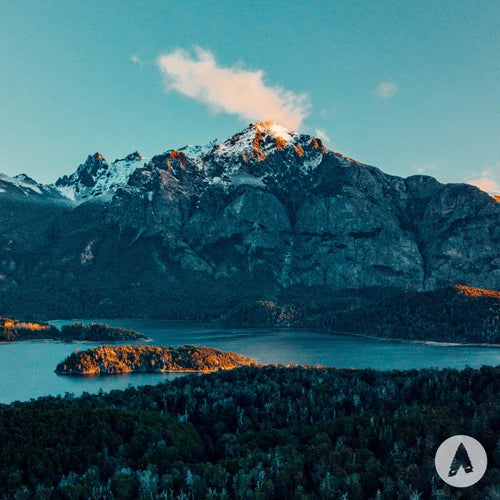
[[89, 173], [263, 213]]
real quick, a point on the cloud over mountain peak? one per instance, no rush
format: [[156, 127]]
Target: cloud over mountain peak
[[232, 90]]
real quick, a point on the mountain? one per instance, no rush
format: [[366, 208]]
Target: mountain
[[23, 186], [269, 213], [96, 177]]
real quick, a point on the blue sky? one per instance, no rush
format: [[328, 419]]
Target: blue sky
[[410, 87]]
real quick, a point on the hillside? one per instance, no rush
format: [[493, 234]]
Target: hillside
[[139, 358], [260, 214], [451, 314]]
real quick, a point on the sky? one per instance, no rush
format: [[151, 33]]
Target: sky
[[411, 87]]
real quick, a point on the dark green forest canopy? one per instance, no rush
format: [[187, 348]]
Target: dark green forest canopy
[[451, 314], [269, 432]]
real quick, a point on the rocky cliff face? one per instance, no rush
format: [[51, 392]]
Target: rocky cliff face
[[266, 211], [283, 203]]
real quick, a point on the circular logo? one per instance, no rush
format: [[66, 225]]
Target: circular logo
[[461, 461]]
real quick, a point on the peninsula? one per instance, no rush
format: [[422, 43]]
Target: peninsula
[[14, 329]]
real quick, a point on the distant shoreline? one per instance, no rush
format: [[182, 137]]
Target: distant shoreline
[[72, 341], [13, 330], [434, 343], [412, 341], [352, 334]]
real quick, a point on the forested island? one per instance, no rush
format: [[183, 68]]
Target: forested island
[[16, 330], [153, 359], [268, 433], [458, 314]]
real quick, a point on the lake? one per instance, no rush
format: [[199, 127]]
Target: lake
[[27, 368]]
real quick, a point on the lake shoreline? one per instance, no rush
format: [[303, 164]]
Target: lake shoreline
[[34, 361], [301, 328], [412, 341], [153, 372], [72, 341]]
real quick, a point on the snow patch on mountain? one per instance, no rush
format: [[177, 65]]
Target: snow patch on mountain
[[96, 177], [194, 152], [243, 179], [23, 183], [119, 172], [67, 192], [277, 130], [310, 164], [256, 142], [248, 153]]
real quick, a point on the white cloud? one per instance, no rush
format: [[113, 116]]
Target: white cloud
[[424, 168], [232, 90], [136, 59], [322, 135], [386, 90], [488, 179]]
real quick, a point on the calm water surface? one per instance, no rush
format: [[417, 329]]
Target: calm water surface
[[27, 368]]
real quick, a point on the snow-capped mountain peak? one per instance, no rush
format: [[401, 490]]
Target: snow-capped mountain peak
[[24, 185], [255, 141], [261, 151], [261, 139], [21, 183], [275, 129], [135, 156], [195, 152], [96, 177]]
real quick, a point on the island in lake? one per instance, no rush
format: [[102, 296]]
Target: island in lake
[[140, 358], [13, 329]]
